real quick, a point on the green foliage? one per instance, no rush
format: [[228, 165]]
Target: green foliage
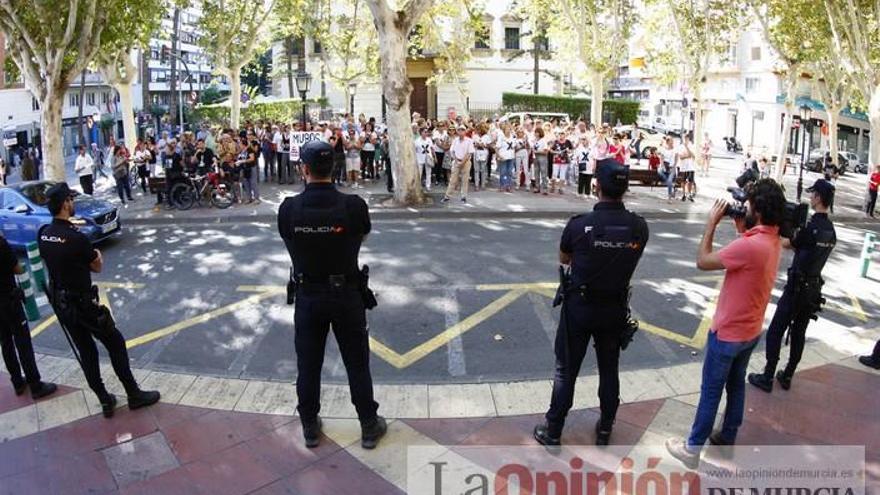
[[211, 95], [107, 122], [158, 111], [232, 31], [685, 36], [627, 111], [348, 38], [257, 73], [274, 111]]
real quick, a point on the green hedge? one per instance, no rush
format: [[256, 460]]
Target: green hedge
[[276, 111], [627, 111]]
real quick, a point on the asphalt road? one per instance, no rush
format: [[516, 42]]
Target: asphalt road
[[208, 299]]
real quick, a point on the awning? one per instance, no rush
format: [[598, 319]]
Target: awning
[[817, 105]]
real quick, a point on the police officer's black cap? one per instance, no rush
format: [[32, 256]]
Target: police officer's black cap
[[612, 176], [823, 188], [314, 152], [58, 193]]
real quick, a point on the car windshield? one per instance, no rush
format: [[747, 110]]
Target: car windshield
[[36, 193]]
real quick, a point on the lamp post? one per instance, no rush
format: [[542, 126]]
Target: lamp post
[[352, 90], [806, 116], [303, 81]]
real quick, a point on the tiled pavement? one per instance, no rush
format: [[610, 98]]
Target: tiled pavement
[[60, 444]]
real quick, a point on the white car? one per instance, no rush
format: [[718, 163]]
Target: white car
[[518, 117], [666, 126]]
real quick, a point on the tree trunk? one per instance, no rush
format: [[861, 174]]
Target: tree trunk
[[235, 97], [397, 89], [172, 81], [782, 151], [51, 136], [536, 70], [833, 117], [82, 94], [874, 118], [698, 121], [126, 106], [145, 79], [288, 59], [597, 84]]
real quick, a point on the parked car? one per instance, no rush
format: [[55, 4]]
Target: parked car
[[651, 139], [23, 211], [518, 117], [856, 164], [818, 157], [664, 125]]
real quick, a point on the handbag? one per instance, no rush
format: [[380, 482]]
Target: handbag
[[447, 160]]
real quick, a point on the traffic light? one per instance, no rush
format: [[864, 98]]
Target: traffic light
[[164, 54]]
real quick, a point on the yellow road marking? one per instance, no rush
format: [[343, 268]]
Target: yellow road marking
[[48, 322], [526, 287], [196, 320], [103, 296], [439, 340], [854, 310]]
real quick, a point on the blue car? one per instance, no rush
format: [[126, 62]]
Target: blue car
[[23, 211]]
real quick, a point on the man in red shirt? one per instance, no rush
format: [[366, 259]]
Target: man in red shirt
[[873, 183], [750, 263]]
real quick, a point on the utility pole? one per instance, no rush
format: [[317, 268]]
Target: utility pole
[[172, 82]]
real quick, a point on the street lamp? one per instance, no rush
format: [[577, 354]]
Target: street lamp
[[352, 90], [806, 116], [303, 81]]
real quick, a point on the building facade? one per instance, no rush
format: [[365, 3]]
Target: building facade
[[195, 73], [21, 119], [744, 96], [501, 61]]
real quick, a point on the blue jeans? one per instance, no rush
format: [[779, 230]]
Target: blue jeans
[[505, 173], [724, 367]]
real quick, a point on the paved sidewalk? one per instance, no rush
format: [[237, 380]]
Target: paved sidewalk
[[171, 449], [490, 203]]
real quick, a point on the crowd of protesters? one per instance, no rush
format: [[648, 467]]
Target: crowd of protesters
[[459, 155]]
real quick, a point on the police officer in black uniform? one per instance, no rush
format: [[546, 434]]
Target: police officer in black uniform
[[802, 297], [15, 336], [603, 248], [70, 259], [323, 230]]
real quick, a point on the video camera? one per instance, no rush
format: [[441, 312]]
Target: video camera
[[794, 217]]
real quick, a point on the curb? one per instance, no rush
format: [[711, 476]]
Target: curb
[[441, 214]]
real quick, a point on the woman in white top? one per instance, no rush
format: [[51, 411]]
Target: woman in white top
[[506, 149], [687, 168], [540, 173]]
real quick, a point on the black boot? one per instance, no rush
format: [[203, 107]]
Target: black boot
[[142, 398], [372, 432], [547, 435], [784, 379], [19, 386], [870, 362], [312, 432], [108, 405], [762, 381], [42, 389], [603, 432]]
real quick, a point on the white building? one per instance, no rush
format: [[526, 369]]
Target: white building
[[21, 119], [744, 98], [195, 72], [501, 62]]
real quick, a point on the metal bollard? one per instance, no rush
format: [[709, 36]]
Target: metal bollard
[[30, 302], [37, 269], [870, 246]]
